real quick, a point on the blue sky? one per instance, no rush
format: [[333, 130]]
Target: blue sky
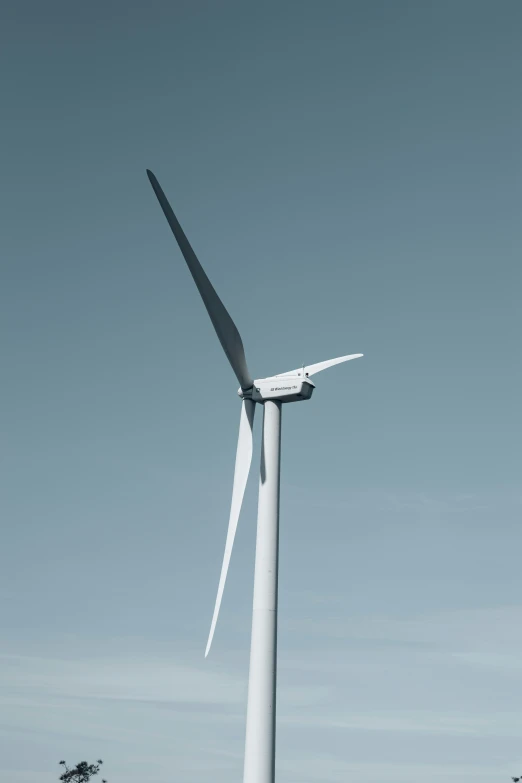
[[349, 174]]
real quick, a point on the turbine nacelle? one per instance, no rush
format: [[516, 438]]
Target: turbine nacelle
[[287, 388], [290, 386]]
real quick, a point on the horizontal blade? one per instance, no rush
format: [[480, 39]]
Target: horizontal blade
[[225, 327], [311, 369], [242, 469]]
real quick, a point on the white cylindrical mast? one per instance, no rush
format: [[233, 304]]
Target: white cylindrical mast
[[261, 708]]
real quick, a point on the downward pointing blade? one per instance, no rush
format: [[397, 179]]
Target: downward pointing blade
[[243, 462], [225, 327]]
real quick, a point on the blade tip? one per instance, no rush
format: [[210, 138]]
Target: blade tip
[[209, 642]]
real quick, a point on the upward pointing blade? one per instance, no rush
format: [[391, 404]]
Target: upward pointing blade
[[225, 327], [242, 469]]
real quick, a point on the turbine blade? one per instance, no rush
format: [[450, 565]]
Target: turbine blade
[[313, 368], [242, 469], [225, 327]]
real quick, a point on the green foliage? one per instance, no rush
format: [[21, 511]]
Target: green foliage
[[81, 773]]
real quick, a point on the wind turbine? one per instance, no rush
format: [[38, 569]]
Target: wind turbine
[[259, 766]]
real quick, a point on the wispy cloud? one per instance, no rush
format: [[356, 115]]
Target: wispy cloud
[[383, 500], [508, 724], [124, 677], [493, 629], [329, 769]]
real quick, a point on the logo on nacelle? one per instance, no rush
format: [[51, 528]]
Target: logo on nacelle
[[282, 388]]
